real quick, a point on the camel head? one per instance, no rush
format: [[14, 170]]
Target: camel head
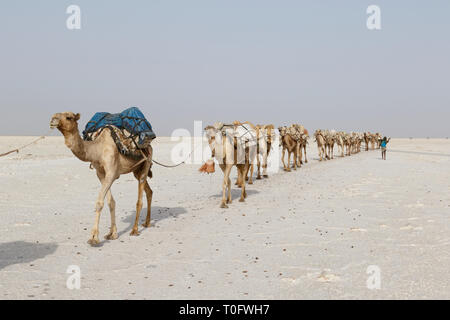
[[65, 122], [269, 131], [210, 132], [282, 131]]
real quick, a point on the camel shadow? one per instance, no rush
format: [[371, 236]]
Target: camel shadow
[[158, 214], [236, 193], [24, 252]]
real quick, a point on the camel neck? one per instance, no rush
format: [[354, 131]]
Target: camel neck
[[76, 144]]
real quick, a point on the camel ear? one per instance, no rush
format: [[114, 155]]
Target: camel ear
[[77, 117]]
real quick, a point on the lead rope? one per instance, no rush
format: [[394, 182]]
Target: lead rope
[[25, 146], [179, 164]]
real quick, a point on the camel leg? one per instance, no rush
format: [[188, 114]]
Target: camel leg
[[304, 149], [252, 168], [141, 176], [251, 172], [264, 165], [282, 158], [241, 171], [149, 195], [300, 155], [229, 200], [295, 158], [244, 191], [288, 169], [112, 235], [258, 160], [226, 183], [106, 185], [141, 187]]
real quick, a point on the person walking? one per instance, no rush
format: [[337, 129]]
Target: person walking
[[384, 143]]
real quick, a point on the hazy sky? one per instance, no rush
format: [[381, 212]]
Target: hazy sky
[[311, 62]]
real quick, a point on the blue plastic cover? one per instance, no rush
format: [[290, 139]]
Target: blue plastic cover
[[131, 120]]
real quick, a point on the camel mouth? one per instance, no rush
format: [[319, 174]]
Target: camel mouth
[[54, 124]]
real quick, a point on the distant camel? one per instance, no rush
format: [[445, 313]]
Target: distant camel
[[329, 143], [366, 140], [290, 145], [109, 163], [340, 142], [302, 136], [264, 136], [230, 145], [321, 142]]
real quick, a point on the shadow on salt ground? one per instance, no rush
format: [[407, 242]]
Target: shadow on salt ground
[[236, 193], [24, 252], [157, 214]]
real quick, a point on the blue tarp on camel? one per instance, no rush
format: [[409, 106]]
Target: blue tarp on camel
[[132, 120]]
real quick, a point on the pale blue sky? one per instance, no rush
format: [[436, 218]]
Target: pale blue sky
[[312, 62]]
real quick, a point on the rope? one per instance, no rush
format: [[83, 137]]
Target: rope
[[25, 146], [179, 164], [168, 166]]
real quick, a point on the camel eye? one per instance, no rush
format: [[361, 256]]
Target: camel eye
[[69, 118]]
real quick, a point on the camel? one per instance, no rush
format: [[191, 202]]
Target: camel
[[269, 131], [302, 137], [378, 138], [264, 135], [290, 144], [329, 143], [109, 164], [360, 141], [340, 141], [366, 138], [353, 142], [320, 139], [230, 145], [347, 143], [356, 140], [261, 152], [373, 141]]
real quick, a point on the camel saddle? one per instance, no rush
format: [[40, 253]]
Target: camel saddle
[[129, 129]]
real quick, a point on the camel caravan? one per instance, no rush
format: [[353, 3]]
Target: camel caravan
[[348, 143], [118, 144]]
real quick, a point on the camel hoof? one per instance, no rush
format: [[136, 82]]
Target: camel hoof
[[306, 161], [241, 200], [224, 206], [93, 241], [229, 201], [134, 233], [146, 225], [265, 176], [111, 236], [250, 182], [246, 178]]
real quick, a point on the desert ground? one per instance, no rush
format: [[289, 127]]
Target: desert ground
[[307, 234]]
